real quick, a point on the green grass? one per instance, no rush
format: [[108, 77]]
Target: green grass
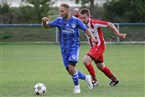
[[25, 64]]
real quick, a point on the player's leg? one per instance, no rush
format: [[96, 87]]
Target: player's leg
[[74, 74], [73, 57], [70, 67], [87, 78], [92, 55], [101, 66], [90, 68]]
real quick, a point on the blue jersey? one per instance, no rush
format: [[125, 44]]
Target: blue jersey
[[69, 37], [68, 31]]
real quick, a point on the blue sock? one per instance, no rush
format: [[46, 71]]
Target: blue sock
[[81, 75], [75, 79]]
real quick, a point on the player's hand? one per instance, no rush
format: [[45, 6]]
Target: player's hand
[[45, 19], [94, 40], [122, 35]]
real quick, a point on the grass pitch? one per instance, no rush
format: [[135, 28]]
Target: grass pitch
[[25, 64]]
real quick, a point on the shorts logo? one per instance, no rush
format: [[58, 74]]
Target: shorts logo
[[73, 56]]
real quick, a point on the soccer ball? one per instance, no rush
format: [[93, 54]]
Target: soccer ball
[[39, 89]]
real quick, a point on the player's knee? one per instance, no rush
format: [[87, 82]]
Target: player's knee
[[71, 69], [87, 60], [67, 68], [100, 66], [72, 63], [71, 66]]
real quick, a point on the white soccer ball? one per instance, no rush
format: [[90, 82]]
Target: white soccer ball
[[39, 89]]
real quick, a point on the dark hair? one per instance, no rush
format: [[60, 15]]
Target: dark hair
[[85, 11], [65, 5]]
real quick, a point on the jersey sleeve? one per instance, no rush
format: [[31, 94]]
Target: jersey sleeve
[[81, 25], [54, 23], [99, 23]]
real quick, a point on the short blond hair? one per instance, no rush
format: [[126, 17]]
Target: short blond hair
[[65, 6]]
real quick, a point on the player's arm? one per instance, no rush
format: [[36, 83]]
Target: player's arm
[[45, 21], [86, 30], [115, 31], [89, 33]]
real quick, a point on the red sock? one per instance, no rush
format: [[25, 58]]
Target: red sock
[[108, 73], [91, 70]]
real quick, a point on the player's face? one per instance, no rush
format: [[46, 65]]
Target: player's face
[[84, 18], [64, 12]]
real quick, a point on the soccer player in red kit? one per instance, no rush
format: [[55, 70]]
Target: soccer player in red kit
[[96, 52]]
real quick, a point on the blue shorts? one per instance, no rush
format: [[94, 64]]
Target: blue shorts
[[70, 55]]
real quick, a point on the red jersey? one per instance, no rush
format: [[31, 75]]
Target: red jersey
[[95, 27]]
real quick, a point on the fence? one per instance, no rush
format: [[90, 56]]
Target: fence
[[35, 32]]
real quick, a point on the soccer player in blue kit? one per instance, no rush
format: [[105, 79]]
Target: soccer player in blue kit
[[70, 42]]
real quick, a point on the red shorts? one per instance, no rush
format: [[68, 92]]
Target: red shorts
[[96, 53]]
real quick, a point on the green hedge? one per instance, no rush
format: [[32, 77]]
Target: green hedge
[[32, 33]]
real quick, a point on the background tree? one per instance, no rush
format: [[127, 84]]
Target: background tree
[[89, 2], [114, 11], [96, 11], [41, 8], [26, 14], [125, 11], [6, 13]]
